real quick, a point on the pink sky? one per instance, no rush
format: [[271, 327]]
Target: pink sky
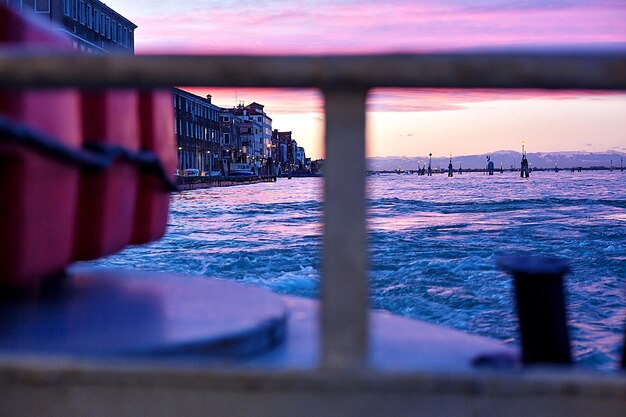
[[340, 26]]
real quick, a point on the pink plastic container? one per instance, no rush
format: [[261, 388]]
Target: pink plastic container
[[38, 195], [157, 136], [104, 221]]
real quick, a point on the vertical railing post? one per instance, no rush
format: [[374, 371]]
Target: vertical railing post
[[344, 308]]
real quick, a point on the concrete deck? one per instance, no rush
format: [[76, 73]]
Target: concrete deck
[[396, 344], [116, 314], [100, 314], [415, 369]]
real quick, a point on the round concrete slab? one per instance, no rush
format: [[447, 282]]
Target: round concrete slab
[[114, 313]]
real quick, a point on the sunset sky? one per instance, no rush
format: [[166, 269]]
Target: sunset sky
[[407, 122]]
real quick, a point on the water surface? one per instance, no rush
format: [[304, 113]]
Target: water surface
[[433, 245]]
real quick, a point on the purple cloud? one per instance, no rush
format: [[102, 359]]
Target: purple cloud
[[326, 26]]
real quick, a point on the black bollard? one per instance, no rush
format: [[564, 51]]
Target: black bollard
[[624, 355], [540, 303]]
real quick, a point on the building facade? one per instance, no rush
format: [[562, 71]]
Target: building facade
[[246, 137], [286, 151], [197, 129], [92, 26], [301, 159], [229, 138], [257, 114], [260, 144]]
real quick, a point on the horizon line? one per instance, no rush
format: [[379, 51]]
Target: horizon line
[[610, 151]]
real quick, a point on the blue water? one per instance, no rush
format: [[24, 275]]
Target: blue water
[[433, 245]]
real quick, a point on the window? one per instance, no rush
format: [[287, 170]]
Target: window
[[102, 24], [225, 119], [74, 9], [96, 21], [89, 17], [42, 6], [82, 12], [119, 34], [114, 30], [15, 4], [108, 27], [66, 7], [227, 138]]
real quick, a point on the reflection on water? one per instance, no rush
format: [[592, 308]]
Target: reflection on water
[[433, 242]]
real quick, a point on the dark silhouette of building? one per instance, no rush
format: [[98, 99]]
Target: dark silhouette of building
[[197, 129], [286, 150], [91, 25]]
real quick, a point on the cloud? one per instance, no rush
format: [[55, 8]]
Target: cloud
[[416, 100], [307, 27], [311, 101]]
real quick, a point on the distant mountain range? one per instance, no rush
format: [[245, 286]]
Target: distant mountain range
[[506, 158]]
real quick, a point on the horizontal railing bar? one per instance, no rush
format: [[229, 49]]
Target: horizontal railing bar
[[554, 71]]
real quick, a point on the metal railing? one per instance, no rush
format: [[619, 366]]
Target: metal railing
[[344, 81]]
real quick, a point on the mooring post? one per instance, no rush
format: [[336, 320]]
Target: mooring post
[[541, 308], [624, 353]]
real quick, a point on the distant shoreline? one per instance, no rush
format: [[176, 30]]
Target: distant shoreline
[[496, 171]]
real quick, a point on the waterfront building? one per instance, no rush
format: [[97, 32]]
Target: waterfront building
[[284, 144], [257, 114], [292, 154], [91, 25], [258, 136], [252, 146], [300, 158], [197, 129], [230, 138], [210, 138]]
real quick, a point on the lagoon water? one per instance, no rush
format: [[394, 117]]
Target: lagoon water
[[433, 245]]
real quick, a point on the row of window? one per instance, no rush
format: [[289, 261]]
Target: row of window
[[41, 6], [193, 130], [98, 21], [195, 108], [259, 119]]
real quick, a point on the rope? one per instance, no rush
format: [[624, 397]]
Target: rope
[[93, 156]]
